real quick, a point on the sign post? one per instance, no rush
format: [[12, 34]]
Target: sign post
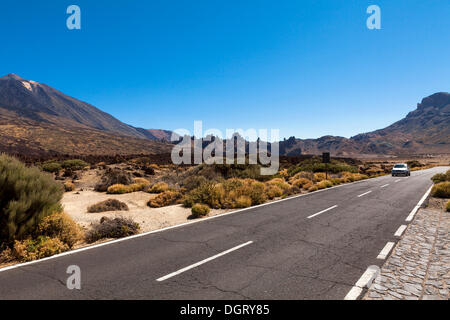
[[326, 160]]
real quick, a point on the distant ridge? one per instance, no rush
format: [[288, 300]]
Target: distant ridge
[[424, 130]]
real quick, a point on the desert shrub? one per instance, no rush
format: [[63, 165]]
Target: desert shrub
[[148, 170], [199, 210], [205, 193], [280, 183], [315, 165], [75, 164], [313, 188], [59, 225], [324, 184], [441, 177], [32, 249], [193, 182], [447, 207], [69, 186], [273, 191], [27, 195], [292, 190], [51, 167], [118, 189], [414, 164], [108, 205], [308, 185], [300, 182], [319, 176], [254, 190], [335, 181], [441, 190], [302, 174], [140, 184], [158, 187], [165, 198], [225, 194], [284, 173], [112, 177], [351, 177], [243, 202], [112, 228]]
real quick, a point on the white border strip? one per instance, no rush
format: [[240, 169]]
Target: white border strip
[[192, 266], [419, 204], [400, 230], [385, 251], [364, 282]]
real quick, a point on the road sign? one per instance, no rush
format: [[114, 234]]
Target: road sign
[[326, 157]]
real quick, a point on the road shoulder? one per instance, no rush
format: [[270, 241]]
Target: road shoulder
[[419, 266]]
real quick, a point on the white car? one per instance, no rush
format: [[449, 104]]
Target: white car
[[401, 169]]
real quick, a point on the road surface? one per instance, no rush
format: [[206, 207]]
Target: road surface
[[314, 246]]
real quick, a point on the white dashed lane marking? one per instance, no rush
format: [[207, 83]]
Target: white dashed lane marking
[[363, 194], [316, 214]]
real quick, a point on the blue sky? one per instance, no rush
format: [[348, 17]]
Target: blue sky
[[309, 68]]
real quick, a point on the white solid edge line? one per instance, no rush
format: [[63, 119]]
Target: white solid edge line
[[176, 226], [363, 194], [366, 278], [385, 185], [385, 251], [170, 275], [320, 212], [179, 225], [419, 204], [400, 230]]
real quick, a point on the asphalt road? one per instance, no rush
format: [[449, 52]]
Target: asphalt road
[[292, 249]]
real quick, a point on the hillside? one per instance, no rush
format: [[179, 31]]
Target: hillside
[[35, 118], [424, 130]]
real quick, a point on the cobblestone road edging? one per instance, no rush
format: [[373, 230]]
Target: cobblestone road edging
[[419, 266]]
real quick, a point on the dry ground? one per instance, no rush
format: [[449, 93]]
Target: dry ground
[[76, 203]]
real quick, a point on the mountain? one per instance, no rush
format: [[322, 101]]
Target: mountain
[[36, 118], [424, 130]]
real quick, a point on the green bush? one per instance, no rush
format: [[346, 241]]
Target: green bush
[[441, 177], [32, 249], [317, 166], [27, 195], [51, 167], [199, 210], [59, 225], [441, 190], [75, 164]]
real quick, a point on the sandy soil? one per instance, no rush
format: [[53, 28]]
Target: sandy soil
[[76, 204]]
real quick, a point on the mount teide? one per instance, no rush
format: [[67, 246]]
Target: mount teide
[[35, 118]]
